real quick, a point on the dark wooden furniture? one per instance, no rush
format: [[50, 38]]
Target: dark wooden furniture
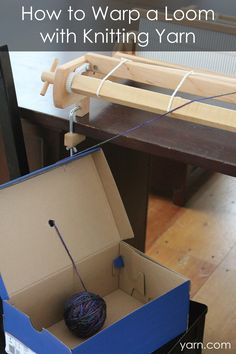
[[175, 179], [130, 157], [13, 159]]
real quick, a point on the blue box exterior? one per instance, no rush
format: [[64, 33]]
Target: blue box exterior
[[3, 291], [141, 332]]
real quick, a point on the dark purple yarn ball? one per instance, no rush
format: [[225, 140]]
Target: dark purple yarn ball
[[85, 314]]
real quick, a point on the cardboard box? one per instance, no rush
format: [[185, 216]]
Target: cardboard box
[[147, 304]]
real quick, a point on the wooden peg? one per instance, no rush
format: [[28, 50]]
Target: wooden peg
[[73, 139], [48, 77]]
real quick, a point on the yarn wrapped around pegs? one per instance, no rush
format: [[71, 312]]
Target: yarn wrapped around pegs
[[85, 314]]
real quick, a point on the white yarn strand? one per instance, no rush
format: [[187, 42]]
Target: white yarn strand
[[177, 89], [122, 62], [79, 71]]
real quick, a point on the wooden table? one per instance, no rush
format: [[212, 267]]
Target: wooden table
[[129, 157]]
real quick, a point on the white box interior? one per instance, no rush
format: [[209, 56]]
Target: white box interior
[[83, 199], [44, 301]]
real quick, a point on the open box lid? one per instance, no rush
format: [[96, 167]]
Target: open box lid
[[80, 194]]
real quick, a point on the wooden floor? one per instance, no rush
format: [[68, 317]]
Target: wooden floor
[[199, 241]]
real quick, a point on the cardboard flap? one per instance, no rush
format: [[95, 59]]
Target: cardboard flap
[[81, 196]]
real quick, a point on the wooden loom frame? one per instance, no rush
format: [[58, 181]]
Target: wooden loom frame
[[149, 72]]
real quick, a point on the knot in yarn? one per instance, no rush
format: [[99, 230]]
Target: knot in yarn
[[85, 314]]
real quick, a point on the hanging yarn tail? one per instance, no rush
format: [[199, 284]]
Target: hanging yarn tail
[[84, 313]]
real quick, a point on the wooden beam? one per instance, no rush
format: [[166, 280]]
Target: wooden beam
[[137, 59], [198, 84], [199, 113], [213, 26], [140, 59]]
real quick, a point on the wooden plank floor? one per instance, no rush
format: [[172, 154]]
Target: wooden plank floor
[[199, 241]]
